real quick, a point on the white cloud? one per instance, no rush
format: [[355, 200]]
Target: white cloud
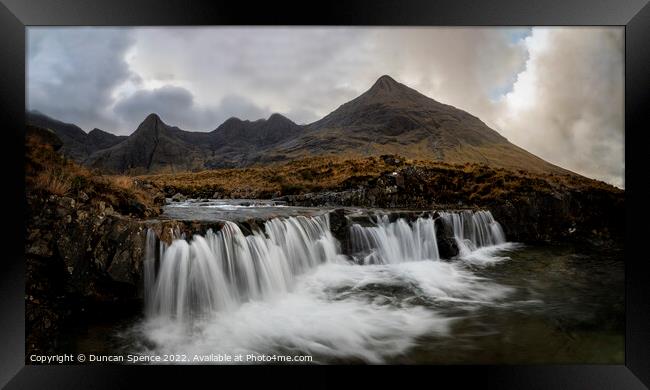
[[567, 105]]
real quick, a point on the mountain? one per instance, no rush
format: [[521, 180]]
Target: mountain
[[158, 147], [389, 118], [239, 143], [99, 139], [154, 146], [259, 133], [76, 143]]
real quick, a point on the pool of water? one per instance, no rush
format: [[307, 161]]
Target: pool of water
[[508, 304], [233, 209]]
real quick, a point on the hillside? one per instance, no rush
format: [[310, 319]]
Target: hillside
[[534, 206], [77, 144]]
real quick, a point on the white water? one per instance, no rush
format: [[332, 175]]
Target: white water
[[290, 289], [473, 230], [222, 270], [395, 242]]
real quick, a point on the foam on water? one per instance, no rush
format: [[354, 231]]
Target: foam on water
[[335, 311], [288, 289]]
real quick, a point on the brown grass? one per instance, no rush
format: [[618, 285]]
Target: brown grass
[[475, 181], [53, 181], [124, 182], [48, 172]]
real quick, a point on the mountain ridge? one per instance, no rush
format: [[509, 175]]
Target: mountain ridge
[[388, 118], [77, 144]]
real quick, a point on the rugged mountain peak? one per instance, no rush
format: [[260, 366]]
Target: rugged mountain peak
[[275, 120], [386, 83], [232, 120], [280, 121], [388, 92], [151, 119], [275, 117], [151, 124]]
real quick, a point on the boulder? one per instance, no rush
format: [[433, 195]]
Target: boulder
[[339, 226], [447, 246], [178, 197]]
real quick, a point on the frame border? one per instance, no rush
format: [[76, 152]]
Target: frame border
[[15, 15]]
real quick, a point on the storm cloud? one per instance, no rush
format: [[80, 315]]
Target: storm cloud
[[557, 92], [72, 72], [177, 105]]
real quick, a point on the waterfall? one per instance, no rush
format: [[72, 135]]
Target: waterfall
[[395, 242], [473, 230], [223, 269]]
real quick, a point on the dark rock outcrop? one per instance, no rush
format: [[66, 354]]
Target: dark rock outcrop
[[447, 246], [84, 257], [339, 226], [592, 214]]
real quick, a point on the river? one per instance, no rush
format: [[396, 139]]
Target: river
[[291, 289]]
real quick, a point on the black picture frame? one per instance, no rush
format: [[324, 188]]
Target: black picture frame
[[15, 15]]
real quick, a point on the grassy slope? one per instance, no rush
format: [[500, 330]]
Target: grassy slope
[[48, 172], [336, 174]]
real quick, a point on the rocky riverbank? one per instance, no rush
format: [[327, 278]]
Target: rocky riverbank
[[536, 211], [85, 259]]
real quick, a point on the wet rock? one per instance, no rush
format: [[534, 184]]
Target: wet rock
[[122, 268], [391, 159], [66, 202], [339, 226], [399, 181], [83, 196], [82, 215], [178, 197], [447, 246]]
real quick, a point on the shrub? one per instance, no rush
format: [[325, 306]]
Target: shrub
[[53, 181]]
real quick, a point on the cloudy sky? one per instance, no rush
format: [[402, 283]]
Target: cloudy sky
[[556, 92]]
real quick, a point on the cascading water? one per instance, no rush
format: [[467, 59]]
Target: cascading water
[[473, 230], [224, 269], [395, 242], [289, 287]]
